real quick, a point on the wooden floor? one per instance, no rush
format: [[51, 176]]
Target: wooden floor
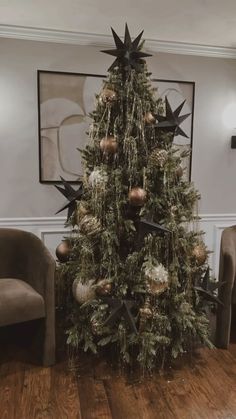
[[204, 387]]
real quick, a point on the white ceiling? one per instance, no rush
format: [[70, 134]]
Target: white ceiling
[[204, 22]]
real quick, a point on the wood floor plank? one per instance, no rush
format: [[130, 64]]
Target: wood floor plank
[[202, 389], [132, 400], [220, 382], [64, 397], [93, 399], [35, 399], [11, 384], [152, 399]]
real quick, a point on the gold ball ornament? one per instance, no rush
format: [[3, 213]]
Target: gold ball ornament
[[83, 292], [63, 251], [137, 196], [108, 145], [90, 225], [157, 279], [158, 157], [200, 254], [107, 95], [81, 211], [149, 118], [103, 288]]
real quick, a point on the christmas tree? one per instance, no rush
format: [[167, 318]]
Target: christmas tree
[[136, 261]]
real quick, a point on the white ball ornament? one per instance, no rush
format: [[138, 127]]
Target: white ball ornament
[[83, 292], [98, 178]]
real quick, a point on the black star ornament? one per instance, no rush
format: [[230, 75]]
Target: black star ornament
[[145, 227], [150, 227], [206, 289], [172, 120], [71, 195], [127, 53], [120, 309]]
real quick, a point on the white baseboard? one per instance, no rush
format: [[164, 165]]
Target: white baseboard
[[51, 230]]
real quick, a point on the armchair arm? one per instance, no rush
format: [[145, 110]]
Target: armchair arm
[[40, 268], [40, 275]]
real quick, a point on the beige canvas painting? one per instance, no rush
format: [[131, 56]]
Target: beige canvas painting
[[65, 101]]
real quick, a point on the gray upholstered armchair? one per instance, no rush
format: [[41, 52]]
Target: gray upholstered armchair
[[27, 285], [227, 292]]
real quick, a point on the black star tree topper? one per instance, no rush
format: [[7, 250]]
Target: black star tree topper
[[127, 53]]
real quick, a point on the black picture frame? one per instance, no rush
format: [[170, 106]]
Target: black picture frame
[[42, 115]]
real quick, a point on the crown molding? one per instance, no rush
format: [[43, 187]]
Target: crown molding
[[101, 41]]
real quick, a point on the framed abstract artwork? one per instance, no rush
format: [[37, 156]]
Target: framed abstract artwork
[[65, 101]]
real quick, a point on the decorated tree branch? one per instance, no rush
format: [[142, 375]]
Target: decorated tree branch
[[134, 261]]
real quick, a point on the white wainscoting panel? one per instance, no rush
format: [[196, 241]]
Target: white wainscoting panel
[[213, 225], [51, 230]]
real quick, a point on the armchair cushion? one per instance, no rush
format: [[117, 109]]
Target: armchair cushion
[[19, 302]]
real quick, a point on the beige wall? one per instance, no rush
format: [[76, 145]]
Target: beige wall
[[214, 163]]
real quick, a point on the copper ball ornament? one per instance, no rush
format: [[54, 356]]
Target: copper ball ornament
[[63, 251], [149, 118], [137, 196], [200, 254], [103, 288], [108, 145], [107, 95]]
